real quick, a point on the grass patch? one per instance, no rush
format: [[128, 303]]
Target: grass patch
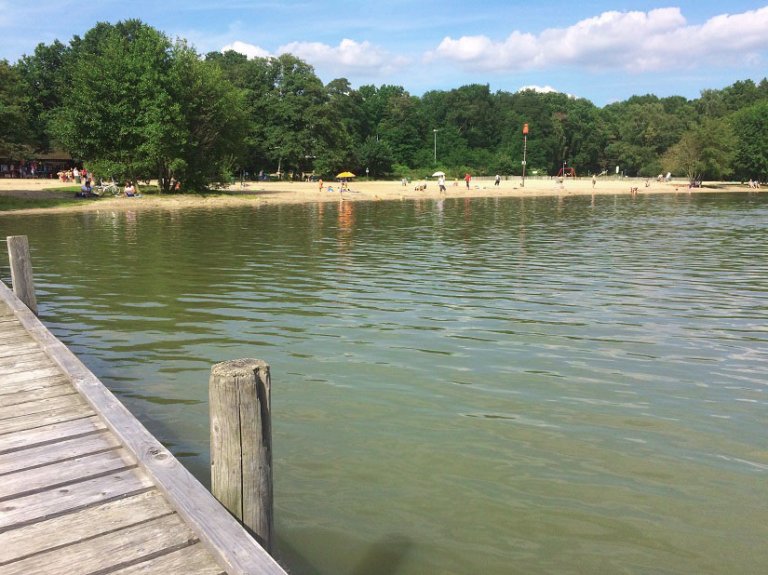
[[63, 190]]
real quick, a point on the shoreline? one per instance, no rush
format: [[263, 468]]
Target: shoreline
[[264, 193]]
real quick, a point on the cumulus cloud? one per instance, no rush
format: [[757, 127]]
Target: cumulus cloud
[[633, 41], [540, 89], [543, 90], [249, 50], [349, 57]]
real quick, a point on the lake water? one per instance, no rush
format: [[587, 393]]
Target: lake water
[[484, 386]]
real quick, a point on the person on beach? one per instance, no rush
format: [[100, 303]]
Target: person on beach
[[497, 181], [86, 191], [320, 181], [129, 190], [441, 184], [594, 181], [467, 179]]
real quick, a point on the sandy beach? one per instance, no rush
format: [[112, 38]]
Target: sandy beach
[[360, 190]]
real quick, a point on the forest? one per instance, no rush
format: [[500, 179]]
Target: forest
[[129, 102]]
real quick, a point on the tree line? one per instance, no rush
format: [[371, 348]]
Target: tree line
[[132, 103]]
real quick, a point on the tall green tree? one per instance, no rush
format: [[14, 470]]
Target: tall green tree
[[206, 142], [140, 106], [118, 98], [640, 130], [16, 136], [46, 76], [705, 152], [751, 132]]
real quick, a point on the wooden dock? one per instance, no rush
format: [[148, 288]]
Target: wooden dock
[[84, 487]]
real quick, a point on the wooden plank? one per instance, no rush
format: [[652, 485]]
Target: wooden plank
[[38, 394], [51, 503], [62, 473], [80, 525], [29, 375], [54, 432], [231, 545], [11, 331], [25, 364], [40, 383], [13, 338], [49, 453], [23, 357], [44, 405], [193, 560], [123, 547], [16, 424], [11, 350]]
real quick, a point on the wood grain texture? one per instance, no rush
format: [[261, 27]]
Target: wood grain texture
[[21, 271], [54, 468]]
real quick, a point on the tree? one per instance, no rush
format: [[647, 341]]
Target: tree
[[374, 155], [141, 106], [403, 130], [204, 147], [751, 129], [46, 76], [642, 129], [15, 133], [704, 152], [117, 96]]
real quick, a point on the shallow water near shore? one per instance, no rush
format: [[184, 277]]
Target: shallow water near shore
[[503, 385]]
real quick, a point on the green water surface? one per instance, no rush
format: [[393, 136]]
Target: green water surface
[[480, 386]]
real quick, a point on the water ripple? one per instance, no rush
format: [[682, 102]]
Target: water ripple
[[533, 382]]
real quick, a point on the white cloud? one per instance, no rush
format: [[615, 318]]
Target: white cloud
[[540, 89], [633, 41], [348, 56], [544, 90], [249, 50]]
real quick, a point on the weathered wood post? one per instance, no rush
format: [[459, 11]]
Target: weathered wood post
[[21, 271], [241, 443]]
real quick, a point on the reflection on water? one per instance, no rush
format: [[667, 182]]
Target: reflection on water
[[465, 386]]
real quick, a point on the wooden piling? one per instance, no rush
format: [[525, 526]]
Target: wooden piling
[[241, 443], [21, 271]]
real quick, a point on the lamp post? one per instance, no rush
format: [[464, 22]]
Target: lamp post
[[279, 161], [434, 131], [525, 149]]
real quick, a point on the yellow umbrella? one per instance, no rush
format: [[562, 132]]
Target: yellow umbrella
[[345, 175]]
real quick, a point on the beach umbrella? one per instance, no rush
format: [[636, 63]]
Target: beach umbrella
[[345, 175], [438, 174]]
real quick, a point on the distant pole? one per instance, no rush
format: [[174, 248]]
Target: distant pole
[[21, 271], [525, 149], [434, 131], [241, 443]]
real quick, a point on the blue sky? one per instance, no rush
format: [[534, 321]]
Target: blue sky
[[596, 49]]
